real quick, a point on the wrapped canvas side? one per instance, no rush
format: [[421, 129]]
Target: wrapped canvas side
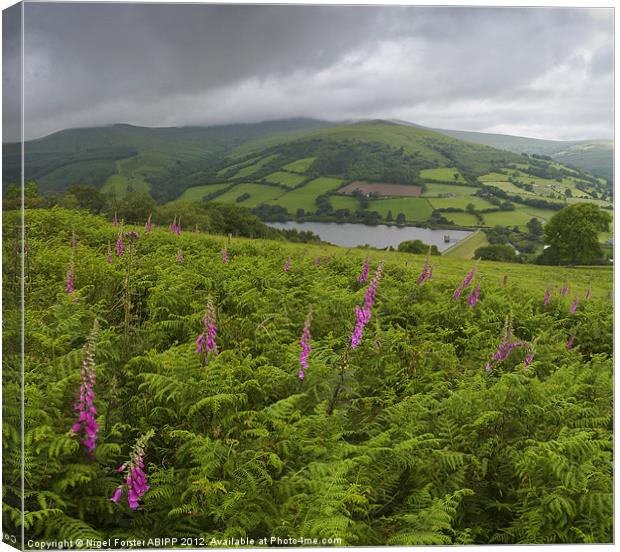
[[15, 235]]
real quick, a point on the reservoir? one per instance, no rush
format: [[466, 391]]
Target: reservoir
[[380, 236]]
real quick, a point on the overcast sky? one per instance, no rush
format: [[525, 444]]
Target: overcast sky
[[541, 72]]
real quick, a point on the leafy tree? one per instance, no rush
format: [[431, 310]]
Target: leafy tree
[[389, 216], [416, 246], [498, 252], [136, 207], [400, 218], [535, 227], [88, 197], [572, 235]]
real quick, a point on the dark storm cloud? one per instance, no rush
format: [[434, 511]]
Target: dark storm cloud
[[543, 72]]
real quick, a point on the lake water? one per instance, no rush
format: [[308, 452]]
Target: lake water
[[380, 236]]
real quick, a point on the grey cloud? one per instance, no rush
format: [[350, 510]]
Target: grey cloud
[[534, 70]]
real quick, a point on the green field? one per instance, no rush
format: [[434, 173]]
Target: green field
[[460, 202], [465, 248], [493, 177], [510, 188], [344, 202], [118, 185], [251, 169], [226, 171], [287, 179], [435, 190], [300, 166], [196, 193], [445, 174], [519, 217], [463, 219], [259, 193], [415, 209], [305, 196]]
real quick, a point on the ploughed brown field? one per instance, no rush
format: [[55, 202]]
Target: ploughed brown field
[[382, 188]]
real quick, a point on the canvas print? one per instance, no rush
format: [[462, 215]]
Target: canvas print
[[306, 275]]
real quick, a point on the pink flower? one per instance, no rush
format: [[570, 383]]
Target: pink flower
[[564, 290], [305, 347], [588, 293], [287, 265], [464, 283], [547, 296], [427, 271], [118, 493], [363, 277], [362, 315], [205, 342], [85, 406], [569, 343], [149, 225], [108, 256], [473, 296], [528, 358], [136, 482], [225, 255], [180, 257], [317, 261], [506, 344], [175, 227], [574, 307], [70, 275]]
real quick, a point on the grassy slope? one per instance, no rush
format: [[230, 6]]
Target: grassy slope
[[417, 422], [465, 248], [259, 193], [196, 193]]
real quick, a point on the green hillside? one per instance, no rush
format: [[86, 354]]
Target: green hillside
[[276, 168], [435, 422], [90, 155], [592, 156]]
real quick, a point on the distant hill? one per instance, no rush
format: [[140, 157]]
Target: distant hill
[[593, 156], [128, 155]]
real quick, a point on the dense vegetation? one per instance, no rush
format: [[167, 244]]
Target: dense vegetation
[[404, 439]]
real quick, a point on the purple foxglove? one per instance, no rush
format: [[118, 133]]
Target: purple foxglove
[[588, 293], [148, 226], [427, 270], [85, 406], [363, 277], [180, 257], [473, 296], [205, 342], [569, 343], [136, 482], [465, 283], [225, 255], [287, 265], [574, 307], [70, 275], [304, 342], [547, 296]]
